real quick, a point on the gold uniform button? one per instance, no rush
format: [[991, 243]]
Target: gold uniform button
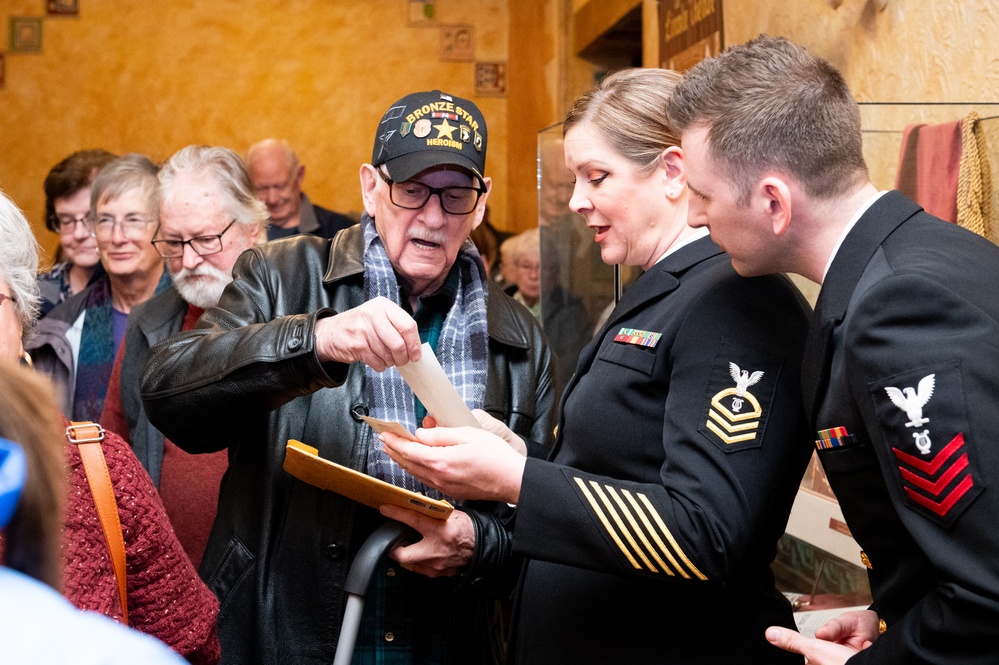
[[865, 560], [389, 637], [882, 626], [390, 572]]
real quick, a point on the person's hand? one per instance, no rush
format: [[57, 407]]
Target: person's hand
[[490, 424], [445, 549], [463, 462], [378, 333], [853, 629], [815, 651]]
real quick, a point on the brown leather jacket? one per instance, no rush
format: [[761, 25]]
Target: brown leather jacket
[[248, 379]]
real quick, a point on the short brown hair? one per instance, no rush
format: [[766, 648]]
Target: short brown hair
[[29, 417], [629, 109], [770, 104], [124, 174], [69, 176]]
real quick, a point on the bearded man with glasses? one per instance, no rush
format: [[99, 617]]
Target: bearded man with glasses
[[303, 343], [77, 341], [208, 215]]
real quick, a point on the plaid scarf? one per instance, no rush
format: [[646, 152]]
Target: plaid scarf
[[461, 349]]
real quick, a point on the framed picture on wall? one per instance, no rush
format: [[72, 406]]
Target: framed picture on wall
[[421, 13], [63, 7], [25, 34], [457, 43], [490, 79]]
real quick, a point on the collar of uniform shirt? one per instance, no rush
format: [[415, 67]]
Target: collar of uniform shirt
[[849, 226], [696, 235]]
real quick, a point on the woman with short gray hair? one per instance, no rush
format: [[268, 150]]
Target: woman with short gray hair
[[77, 341]]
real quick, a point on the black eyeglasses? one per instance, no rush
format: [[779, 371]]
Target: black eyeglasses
[[66, 224], [202, 245], [413, 195]]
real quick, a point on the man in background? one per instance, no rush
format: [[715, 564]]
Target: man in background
[[208, 215], [277, 178]]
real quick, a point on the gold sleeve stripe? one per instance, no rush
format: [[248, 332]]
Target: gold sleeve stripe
[[620, 525], [603, 520], [637, 530], [669, 537], [651, 530]]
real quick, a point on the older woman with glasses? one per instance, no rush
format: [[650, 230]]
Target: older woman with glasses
[[76, 343], [67, 212]]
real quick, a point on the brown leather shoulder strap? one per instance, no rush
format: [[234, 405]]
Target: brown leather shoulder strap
[[88, 436]]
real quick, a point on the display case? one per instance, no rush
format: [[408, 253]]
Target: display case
[[577, 287]]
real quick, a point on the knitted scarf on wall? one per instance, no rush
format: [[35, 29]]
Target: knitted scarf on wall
[[97, 350], [462, 351], [974, 183]]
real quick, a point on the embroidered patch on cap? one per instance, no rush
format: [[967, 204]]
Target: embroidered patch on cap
[[923, 418], [740, 392]]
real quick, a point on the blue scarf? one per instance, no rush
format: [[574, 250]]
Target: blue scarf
[[97, 350], [462, 350]]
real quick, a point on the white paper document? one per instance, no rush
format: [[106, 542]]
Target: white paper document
[[428, 381]]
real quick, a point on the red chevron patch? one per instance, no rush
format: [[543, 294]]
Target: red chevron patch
[[921, 472], [941, 508]]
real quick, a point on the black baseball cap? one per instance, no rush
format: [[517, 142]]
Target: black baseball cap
[[427, 129]]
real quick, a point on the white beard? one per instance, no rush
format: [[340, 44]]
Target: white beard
[[201, 292]]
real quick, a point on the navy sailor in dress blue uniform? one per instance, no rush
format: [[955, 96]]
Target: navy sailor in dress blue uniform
[[650, 529], [901, 369]]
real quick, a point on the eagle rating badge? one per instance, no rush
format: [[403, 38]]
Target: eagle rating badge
[[736, 410], [923, 419]]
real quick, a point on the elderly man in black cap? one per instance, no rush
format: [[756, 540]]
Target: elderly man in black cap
[[304, 342]]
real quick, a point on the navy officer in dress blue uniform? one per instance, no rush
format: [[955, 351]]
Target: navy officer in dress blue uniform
[[650, 529], [901, 368]]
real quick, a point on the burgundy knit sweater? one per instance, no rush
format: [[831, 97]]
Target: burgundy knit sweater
[[166, 598]]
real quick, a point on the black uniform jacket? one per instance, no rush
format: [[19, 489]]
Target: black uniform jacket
[[902, 380], [652, 527], [248, 379], [149, 323]]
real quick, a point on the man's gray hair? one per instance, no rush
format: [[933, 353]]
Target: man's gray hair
[[227, 171], [19, 261]]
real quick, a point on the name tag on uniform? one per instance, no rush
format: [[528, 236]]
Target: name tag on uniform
[[639, 337]]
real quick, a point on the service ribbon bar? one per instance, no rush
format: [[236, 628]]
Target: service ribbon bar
[[831, 438], [639, 337]]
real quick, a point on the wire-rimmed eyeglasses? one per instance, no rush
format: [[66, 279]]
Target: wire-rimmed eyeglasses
[[133, 226], [413, 195], [202, 245]]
